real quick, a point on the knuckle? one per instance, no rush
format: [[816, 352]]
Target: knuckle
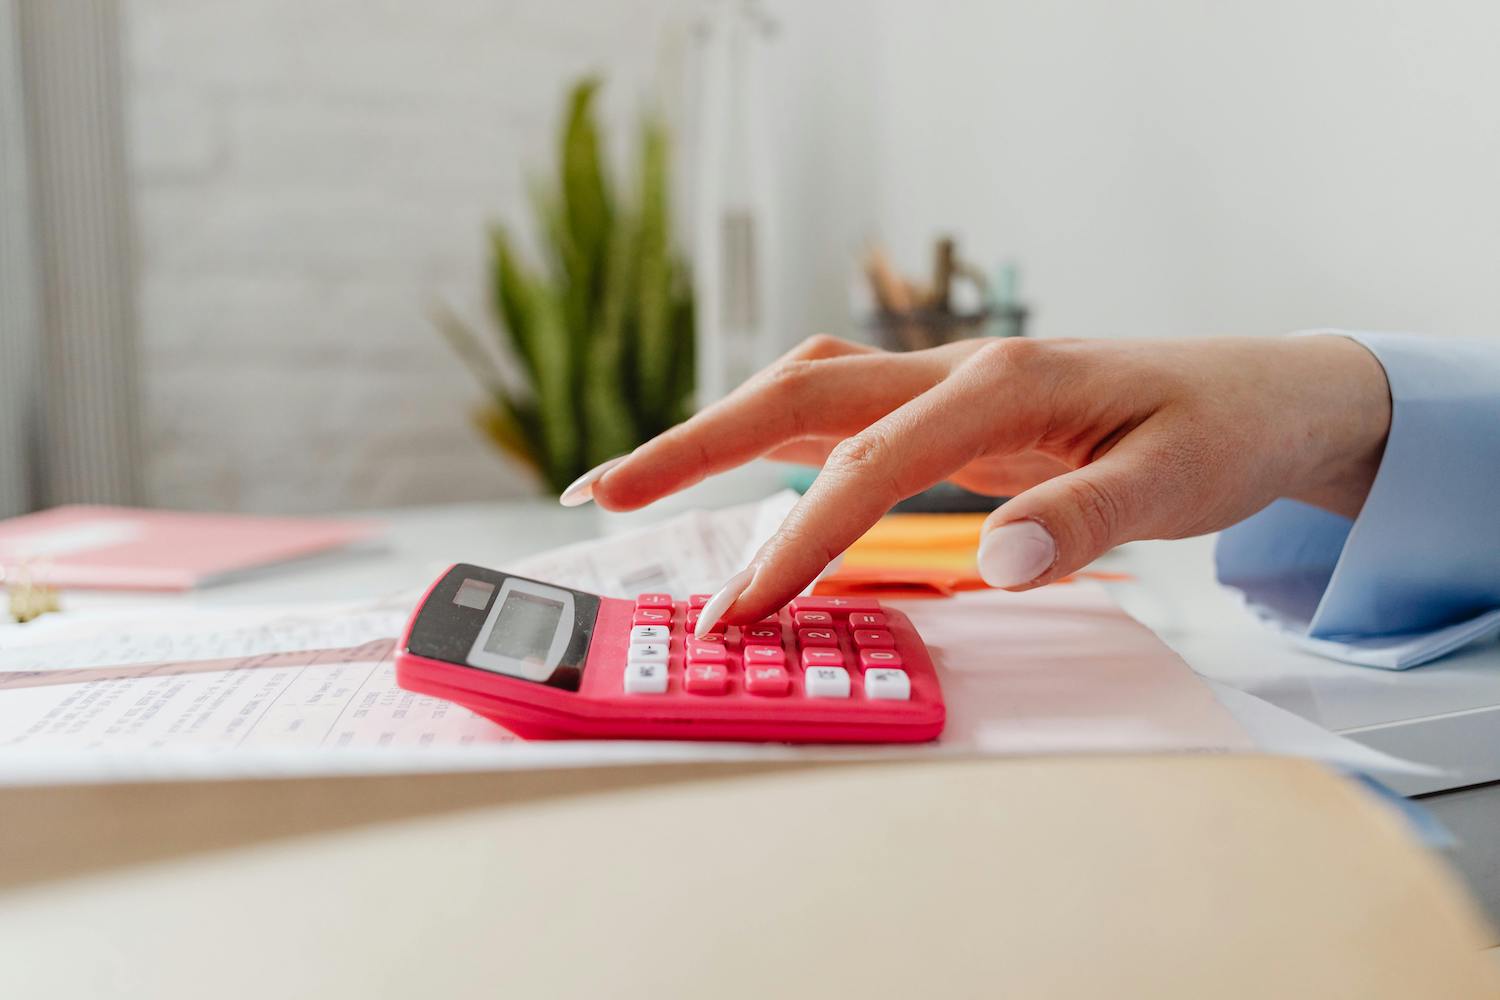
[[788, 378], [685, 439], [1010, 355], [819, 345], [1098, 512], [868, 458], [857, 455]]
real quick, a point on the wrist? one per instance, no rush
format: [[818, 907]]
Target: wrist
[[1349, 406]]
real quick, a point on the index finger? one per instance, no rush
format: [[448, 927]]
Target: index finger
[[903, 453], [798, 398]]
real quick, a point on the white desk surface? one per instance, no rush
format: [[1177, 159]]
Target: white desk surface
[[1446, 713]]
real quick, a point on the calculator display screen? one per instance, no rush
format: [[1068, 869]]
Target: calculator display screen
[[507, 624], [524, 628]]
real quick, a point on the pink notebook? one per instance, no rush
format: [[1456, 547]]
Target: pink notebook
[[123, 548]]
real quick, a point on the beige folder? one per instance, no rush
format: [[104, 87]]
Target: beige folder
[[1228, 876]]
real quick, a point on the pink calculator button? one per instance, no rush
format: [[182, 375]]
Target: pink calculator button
[[654, 601], [702, 651], [813, 619], [874, 638], [651, 616], [713, 637], [705, 678], [835, 605], [760, 635], [867, 619], [763, 655], [817, 637], [698, 600], [818, 656], [869, 658], [768, 680]]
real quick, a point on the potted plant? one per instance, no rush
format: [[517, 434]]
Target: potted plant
[[598, 340]]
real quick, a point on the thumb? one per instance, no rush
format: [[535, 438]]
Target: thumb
[[1063, 524]]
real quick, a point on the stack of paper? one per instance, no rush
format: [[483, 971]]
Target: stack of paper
[[311, 690]]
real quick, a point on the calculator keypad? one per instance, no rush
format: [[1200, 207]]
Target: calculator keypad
[[832, 642]]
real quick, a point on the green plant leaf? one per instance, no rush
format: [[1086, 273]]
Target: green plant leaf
[[684, 358], [466, 345], [506, 420], [511, 296], [496, 419], [569, 268], [611, 426], [557, 415], [603, 333], [586, 200], [654, 355]]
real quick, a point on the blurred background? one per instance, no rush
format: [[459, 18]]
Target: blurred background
[[229, 231]]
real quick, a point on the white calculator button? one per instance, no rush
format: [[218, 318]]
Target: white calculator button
[[887, 683], [649, 633], [827, 682], [648, 652], [645, 678]]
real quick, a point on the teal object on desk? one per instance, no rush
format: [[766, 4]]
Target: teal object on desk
[[944, 498]]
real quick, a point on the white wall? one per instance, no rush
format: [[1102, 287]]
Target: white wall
[[1181, 168], [310, 175]]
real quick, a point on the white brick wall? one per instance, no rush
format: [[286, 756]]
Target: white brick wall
[[310, 175]]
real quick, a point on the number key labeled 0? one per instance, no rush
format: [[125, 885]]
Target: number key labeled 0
[[873, 658]]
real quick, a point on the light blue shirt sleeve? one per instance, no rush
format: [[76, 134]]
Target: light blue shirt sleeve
[[1417, 574]]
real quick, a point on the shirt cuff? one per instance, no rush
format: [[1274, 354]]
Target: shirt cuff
[[1424, 552]]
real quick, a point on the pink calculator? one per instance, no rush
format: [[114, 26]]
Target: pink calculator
[[547, 662]]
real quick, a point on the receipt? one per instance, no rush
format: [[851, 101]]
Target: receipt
[[694, 552]]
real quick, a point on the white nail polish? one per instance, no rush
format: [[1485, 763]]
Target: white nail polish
[[581, 490], [1015, 553], [720, 602]]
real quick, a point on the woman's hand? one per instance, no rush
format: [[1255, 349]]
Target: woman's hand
[[1099, 442]]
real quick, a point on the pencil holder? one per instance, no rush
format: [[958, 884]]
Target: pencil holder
[[924, 328]]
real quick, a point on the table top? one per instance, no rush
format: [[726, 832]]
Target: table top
[[1224, 876], [1446, 713]]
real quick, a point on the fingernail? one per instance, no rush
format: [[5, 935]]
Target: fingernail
[[1015, 553], [581, 490], [720, 602]]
